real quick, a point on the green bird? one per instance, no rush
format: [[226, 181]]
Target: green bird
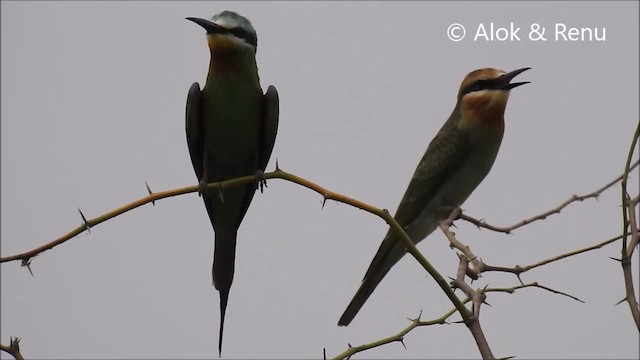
[[456, 161], [231, 128]]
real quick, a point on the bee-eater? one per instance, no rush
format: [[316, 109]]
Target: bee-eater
[[231, 129], [456, 161]]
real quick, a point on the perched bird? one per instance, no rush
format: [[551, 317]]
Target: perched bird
[[231, 129], [456, 161]]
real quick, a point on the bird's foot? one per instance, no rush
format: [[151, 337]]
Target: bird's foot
[[202, 187], [261, 181]]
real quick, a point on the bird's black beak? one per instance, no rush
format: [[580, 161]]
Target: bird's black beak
[[504, 83], [211, 27]]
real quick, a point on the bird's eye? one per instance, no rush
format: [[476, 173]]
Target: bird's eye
[[480, 85], [476, 86]]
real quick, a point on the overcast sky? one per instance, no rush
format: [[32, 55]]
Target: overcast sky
[[93, 98]]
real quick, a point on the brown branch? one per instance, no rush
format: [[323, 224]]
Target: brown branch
[[517, 270], [415, 323], [87, 224], [13, 349], [477, 297], [511, 290], [625, 194], [474, 273], [480, 266], [629, 221], [399, 337], [277, 174], [574, 198], [633, 223], [628, 274], [625, 260], [571, 253]]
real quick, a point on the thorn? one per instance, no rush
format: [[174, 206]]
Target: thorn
[[621, 301], [27, 264], [612, 258], [324, 353], [519, 279], [84, 221], [324, 201], [402, 342], [277, 167], [349, 345], [153, 202]]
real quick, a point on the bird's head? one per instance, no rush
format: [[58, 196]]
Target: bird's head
[[484, 93], [229, 32]]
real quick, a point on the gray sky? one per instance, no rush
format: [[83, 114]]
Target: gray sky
[[93, 99]]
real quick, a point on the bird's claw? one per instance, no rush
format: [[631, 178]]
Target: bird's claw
[[261, 181], [202, 187]]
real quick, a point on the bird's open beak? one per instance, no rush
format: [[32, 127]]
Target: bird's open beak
[[504, 83], [211, 27]]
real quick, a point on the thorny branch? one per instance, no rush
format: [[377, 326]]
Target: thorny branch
[[572, 199], [13, 349], [470, 265], [327, 194], [442, 320], [630, 222], [477, 298]]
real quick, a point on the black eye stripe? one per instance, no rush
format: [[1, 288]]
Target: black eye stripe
[[478, 85], [247, 36], [239, 32]]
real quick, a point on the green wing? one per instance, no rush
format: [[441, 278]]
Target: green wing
[[445, 152], [194, 129], [269, 126]]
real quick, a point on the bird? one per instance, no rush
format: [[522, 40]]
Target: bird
[[456, 161], [231, 127]]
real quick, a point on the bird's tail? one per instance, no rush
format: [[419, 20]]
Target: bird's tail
[[223, 268], [384, 260], [224, 297], [361, 296]]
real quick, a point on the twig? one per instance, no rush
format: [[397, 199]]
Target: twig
[[415, 323], [511, 290], [277, 174], [13, 349], [399, 337], [477, 297], [517, 270], [629, 221], [508, 229]]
